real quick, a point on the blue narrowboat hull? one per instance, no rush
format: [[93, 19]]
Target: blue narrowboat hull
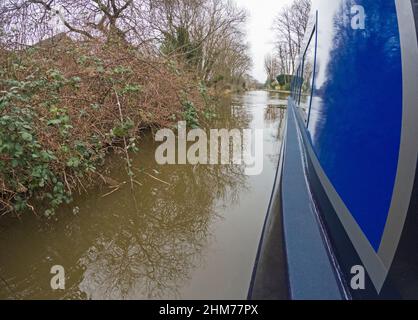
[[347, 193]]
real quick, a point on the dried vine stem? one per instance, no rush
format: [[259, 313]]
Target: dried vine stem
[[125, 145]]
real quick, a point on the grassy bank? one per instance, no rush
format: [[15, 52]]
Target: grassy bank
[[64, 105]]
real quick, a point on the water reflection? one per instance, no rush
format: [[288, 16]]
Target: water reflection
[[354, 129], [140, 243], [161, 236], [274, 113]]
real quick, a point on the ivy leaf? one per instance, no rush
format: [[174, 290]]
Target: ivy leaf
[[54, 122], [26, 136], [73, 162]]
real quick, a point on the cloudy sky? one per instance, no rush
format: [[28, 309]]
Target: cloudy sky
[[262, 13]]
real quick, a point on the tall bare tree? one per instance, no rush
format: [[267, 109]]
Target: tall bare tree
[[271, 66], [29, 21], [290, 26], [208, 34]]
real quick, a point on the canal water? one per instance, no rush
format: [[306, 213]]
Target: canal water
[[183, 232]]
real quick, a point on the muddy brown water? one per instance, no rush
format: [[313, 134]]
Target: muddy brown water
[[183, 232]]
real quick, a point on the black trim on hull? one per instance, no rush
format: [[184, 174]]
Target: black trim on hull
[[415, 8], [404, 270]]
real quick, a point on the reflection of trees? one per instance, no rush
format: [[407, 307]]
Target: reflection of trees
[[163, 231], [235, 115], [354, 58], [275, 114], [355, 116], [139, 244], [161, 236], [362, 78]]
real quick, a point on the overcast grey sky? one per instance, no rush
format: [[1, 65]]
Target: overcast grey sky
[[259, 33]]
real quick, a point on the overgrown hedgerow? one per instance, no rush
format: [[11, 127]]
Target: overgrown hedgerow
[[63, 106]]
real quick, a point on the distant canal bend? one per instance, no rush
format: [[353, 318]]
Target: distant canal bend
[[185, 231]]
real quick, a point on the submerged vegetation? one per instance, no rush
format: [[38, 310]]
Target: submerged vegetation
[[67, 98]]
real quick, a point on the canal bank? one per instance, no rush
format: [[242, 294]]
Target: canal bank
[[184, 231]]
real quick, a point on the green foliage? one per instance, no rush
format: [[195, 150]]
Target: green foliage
[[29, 168], [209, 113], [122, 129], [180, 43], [284, 79], [287, 87], [131, 88], [122, 70], [58, 118], [132, 147], [190, 115], [203, 90]]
